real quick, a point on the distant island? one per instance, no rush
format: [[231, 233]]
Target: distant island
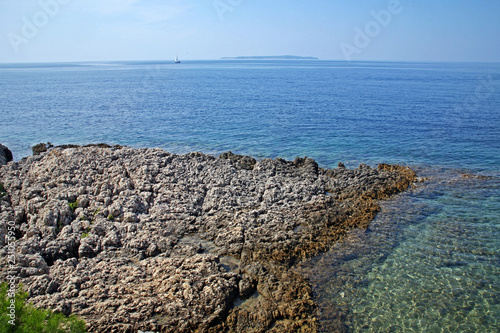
[[285, 57]]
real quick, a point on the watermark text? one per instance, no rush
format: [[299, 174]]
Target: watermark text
[[364, 36], [484, 89], [224, 6], [32, 26], [11, 278]]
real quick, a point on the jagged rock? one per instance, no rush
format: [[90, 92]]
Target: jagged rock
[[141, 239], [308, 164], [5, 155], [89, 246], [242, 162], [41, 148]]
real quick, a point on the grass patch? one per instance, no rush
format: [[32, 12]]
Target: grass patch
[[111, 217], [29, 319], [73, 205]]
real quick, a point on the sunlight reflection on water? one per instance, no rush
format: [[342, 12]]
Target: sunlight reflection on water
[[429, 262]]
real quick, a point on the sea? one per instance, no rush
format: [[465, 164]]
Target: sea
[[429, 262]]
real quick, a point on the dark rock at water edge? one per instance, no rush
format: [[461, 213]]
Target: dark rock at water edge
[[5, 155], [242, 162], [43, 147], [141, 239]]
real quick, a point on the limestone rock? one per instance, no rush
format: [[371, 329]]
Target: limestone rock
[[141, 239]]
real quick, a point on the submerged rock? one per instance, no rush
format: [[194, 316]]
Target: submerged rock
[[141, 239]]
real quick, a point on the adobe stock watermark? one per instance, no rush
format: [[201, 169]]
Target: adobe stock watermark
[[11, 277], [364, 36], [224, 6], [31, 26], [483, 91], [132, 98]]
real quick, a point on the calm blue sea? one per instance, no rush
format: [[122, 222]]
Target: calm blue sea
[[433, 262]]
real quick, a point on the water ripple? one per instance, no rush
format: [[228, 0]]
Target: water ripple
[[428, 263]]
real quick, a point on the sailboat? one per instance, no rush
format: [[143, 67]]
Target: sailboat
[[177, 61]]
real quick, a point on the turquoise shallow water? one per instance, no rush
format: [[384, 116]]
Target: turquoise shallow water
[[430, 261]]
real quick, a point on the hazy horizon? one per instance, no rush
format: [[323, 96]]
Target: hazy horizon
[[44, 31], [249, 60]]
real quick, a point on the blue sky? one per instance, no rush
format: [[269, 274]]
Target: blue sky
[[101, 30]]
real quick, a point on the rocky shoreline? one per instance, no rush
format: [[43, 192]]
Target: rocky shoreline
[[141, 239]]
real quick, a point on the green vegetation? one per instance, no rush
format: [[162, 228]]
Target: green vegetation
[[2, 191], [20, 317], [84, 235], [73, 205], [110, 217], [59, 225]]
